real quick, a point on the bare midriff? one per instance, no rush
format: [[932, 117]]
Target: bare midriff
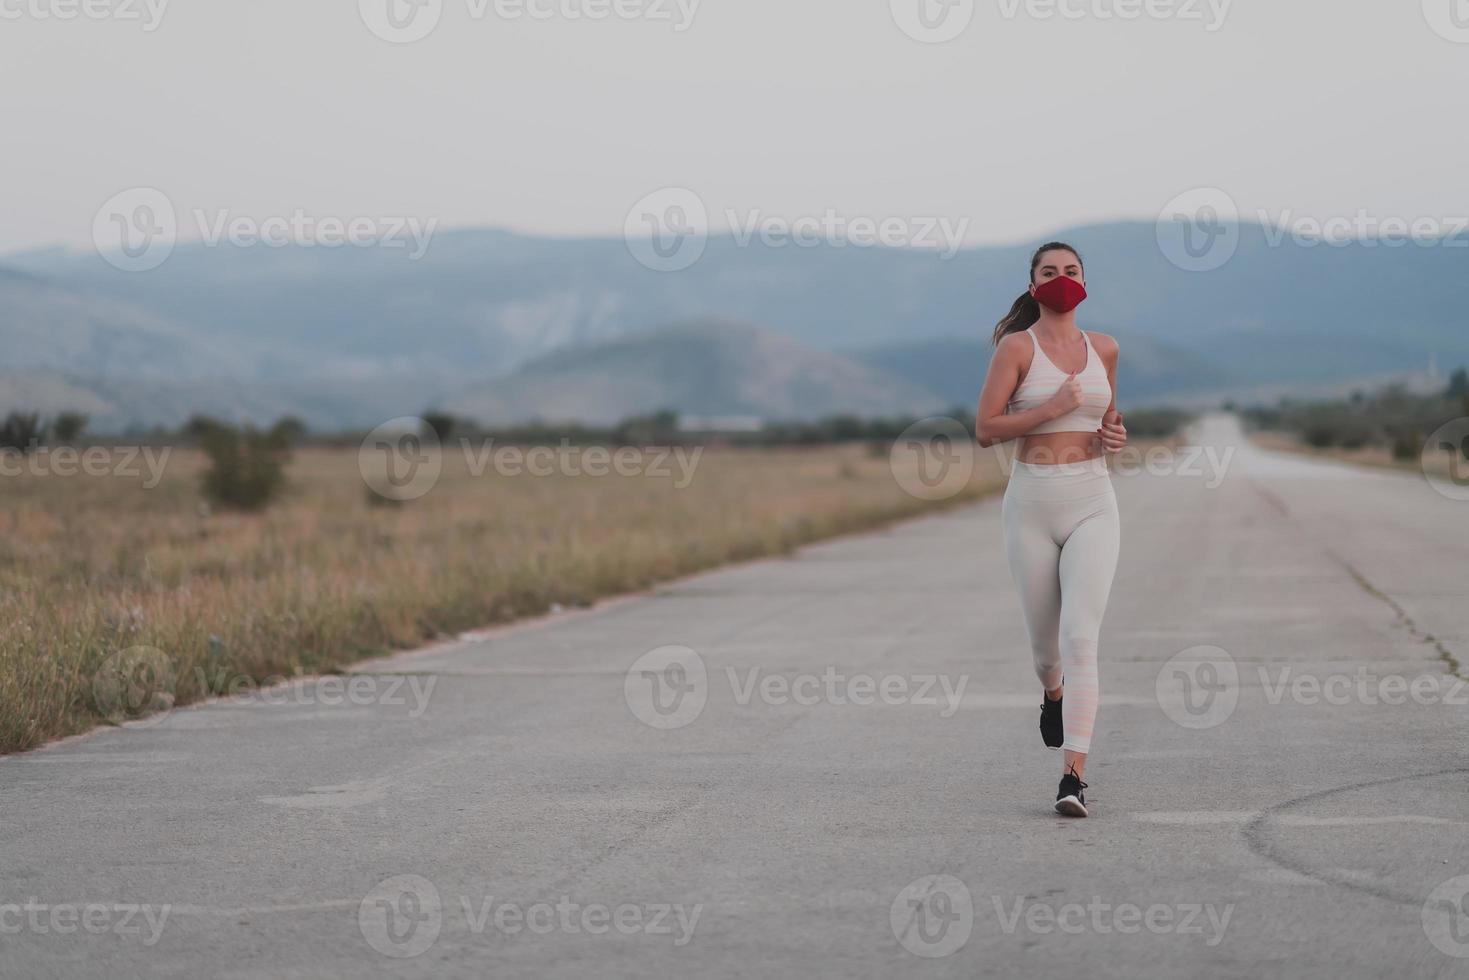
[[1059, 447]]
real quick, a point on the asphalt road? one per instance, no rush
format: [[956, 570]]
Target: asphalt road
[[825, 766]]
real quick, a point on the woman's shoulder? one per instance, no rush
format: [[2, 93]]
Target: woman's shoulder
[[1017, 347], [1017, 340], [1106, 344]]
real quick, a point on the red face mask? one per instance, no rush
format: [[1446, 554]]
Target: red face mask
[[1062, 294]]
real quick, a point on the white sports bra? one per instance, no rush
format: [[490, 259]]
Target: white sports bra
[[1044, 379]]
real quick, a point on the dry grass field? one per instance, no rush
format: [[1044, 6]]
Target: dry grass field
[[104, 579]]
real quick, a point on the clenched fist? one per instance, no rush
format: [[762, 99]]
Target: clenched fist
[[1067, 398], [1112, 433]]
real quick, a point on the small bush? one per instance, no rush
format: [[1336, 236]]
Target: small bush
[[1458, 384], [68, 427], [375, 499], [441, 423], [288, 431], [246, 467], [22, 431], [1320, 435], [1407, 446]]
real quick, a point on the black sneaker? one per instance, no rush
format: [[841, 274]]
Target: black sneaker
[[1051, 732], [1070, 801]]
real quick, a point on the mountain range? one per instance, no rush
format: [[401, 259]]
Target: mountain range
[[503, 327]]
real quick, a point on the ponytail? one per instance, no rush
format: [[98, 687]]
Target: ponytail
[[1026, 310], [1022, 316]]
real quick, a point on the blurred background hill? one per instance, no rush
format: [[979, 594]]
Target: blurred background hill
[[504, 327]]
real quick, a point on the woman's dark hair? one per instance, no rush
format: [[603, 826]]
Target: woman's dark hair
[[1026, 310]]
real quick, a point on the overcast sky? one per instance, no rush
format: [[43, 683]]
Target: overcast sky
[[1024, 122]]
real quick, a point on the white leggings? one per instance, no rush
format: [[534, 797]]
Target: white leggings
[[1062, 535]]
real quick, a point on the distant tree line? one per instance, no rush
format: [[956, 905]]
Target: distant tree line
[[663, 428], [1392, 418], [25, 432], [247, 465]]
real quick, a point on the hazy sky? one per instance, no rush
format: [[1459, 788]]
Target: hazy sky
[[1027, 121]]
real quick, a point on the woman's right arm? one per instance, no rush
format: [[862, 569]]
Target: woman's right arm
[[991, 423]]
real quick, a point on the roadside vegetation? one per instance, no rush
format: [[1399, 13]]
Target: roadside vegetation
[[121, 595], [1387, 427], [181, 564]]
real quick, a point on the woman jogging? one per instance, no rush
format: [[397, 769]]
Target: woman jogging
[[1053, 386]]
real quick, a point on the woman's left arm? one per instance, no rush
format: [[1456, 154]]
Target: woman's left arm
[[1112, 433]]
